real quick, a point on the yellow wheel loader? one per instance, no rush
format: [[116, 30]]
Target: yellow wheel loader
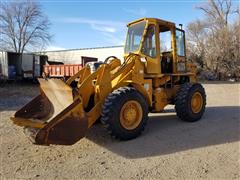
[[154, 74]]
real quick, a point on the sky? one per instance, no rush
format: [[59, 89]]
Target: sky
[[98, 23]]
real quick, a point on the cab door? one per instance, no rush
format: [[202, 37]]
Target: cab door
[[150, 49]]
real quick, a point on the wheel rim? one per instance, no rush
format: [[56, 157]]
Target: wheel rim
[[131, 115], [196, 102]]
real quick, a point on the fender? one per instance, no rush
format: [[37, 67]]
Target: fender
[[139, 87]]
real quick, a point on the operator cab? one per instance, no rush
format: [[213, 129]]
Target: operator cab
[[160, 43]]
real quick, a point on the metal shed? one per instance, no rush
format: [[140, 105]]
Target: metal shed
[[74, 56]]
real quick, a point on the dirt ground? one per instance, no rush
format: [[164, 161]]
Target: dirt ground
[[168, 148]]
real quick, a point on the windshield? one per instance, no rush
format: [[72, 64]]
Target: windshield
[[134, 37]]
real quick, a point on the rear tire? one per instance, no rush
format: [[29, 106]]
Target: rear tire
[[190, 102], [125, 113]]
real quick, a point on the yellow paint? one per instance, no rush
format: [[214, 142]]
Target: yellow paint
[[196, 102], [131, 115]]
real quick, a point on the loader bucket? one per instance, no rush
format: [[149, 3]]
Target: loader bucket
[[53, 117]]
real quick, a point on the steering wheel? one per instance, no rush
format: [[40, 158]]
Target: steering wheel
[[109, 58]]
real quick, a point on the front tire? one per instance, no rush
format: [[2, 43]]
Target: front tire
[[190, 102], [125, 113]]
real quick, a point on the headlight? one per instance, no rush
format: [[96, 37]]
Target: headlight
[[143, 59]]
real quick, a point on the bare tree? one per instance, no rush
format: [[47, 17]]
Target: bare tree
[[196, 41], [23, 26], [214, 40]]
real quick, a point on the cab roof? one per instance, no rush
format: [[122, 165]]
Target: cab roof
[[159, 21]]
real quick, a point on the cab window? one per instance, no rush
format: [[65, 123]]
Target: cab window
[[134, 37], [180, 43], [165, 41], [149, 43]]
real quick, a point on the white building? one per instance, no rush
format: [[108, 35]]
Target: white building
[[73, 56]]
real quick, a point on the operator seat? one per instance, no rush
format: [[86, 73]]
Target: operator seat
[[167, 62]]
